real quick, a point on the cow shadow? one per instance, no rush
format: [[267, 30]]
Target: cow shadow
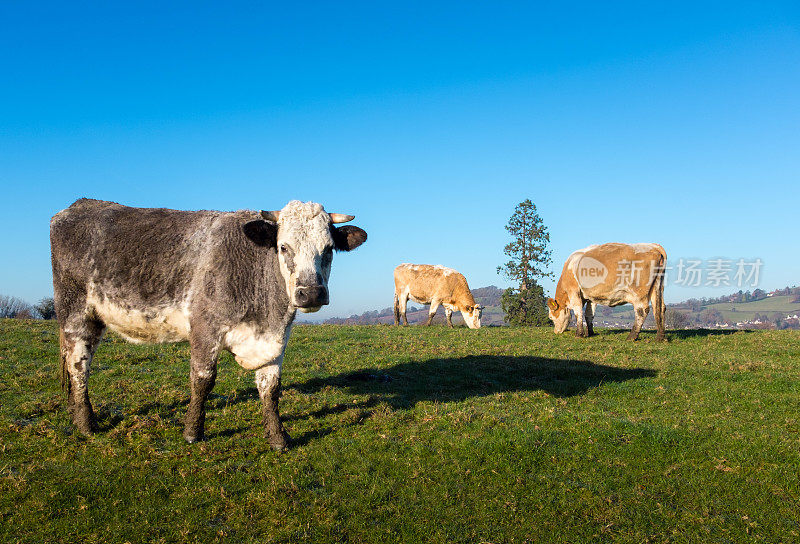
[[402, 386], [456, 379]]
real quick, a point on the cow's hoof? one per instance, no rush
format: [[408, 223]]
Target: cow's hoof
[[279, 441], [661, 338], [192, 437], [85, 421]]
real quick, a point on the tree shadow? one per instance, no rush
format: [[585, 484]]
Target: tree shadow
[[456, 379]]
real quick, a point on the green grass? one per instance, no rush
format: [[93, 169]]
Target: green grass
[[414, 435]]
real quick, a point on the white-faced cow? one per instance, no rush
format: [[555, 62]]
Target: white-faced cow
[[610, 274], [434, 285], [221, 280]]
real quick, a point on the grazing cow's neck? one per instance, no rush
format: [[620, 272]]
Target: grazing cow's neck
[[561, 295], [462, 295]]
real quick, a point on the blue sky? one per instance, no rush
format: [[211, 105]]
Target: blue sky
[[677, 123]]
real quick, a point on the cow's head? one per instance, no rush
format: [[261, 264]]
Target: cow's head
[[558, 314], [472, 316], [305, 242]]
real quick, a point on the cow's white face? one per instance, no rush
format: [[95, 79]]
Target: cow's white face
[[305, 243], [472, 316], [558, 314]]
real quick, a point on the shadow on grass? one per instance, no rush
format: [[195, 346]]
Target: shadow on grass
[[457, 379], [691, 333], [435, 380], [672, 334]]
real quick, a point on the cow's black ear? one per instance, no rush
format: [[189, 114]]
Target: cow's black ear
[[348, 237], [261, 233]]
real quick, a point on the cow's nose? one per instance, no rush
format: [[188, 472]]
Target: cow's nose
[[309, 296]]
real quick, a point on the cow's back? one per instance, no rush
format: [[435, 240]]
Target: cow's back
[[425, 282], [142, 256], [630, 270]]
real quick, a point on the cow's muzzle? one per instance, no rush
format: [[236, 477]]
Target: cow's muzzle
[[310, 296]]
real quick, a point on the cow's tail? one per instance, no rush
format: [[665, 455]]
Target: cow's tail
[[396, 309], [659, 308]]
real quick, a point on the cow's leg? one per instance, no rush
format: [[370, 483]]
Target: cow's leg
[[640, 311], [202, 375], [432, 311], [449, 313], [402, 303], [589, 314], [580, 331], [79, 340], [268, 381], [659, 309]]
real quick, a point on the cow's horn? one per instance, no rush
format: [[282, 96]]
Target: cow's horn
[[341, 218], [271, 216]]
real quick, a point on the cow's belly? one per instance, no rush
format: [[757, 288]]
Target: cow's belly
[[615, 298], [418, 296], [157, 325]]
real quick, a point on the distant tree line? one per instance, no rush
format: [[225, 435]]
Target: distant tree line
[[696, 304], [16, 308]]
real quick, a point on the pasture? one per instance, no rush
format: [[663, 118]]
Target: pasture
[[780, 305], [414, 435]]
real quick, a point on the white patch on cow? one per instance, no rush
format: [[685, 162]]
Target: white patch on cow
[[472, 319], [444, 270], [305, 228], [643, 247], [267, 377], [253, 348], [78, 362], [156, 325]]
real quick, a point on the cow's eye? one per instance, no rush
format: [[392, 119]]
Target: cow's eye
[[283, 248]]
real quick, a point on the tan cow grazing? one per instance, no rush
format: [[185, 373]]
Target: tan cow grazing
[[610, 274], [434, 285]]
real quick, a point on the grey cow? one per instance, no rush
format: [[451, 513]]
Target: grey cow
[[221, 280]]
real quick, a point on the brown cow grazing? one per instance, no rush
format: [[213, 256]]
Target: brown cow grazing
[[612, 275], [434, 285]]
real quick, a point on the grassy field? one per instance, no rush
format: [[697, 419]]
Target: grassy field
[[777, 305], [414, 435]]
